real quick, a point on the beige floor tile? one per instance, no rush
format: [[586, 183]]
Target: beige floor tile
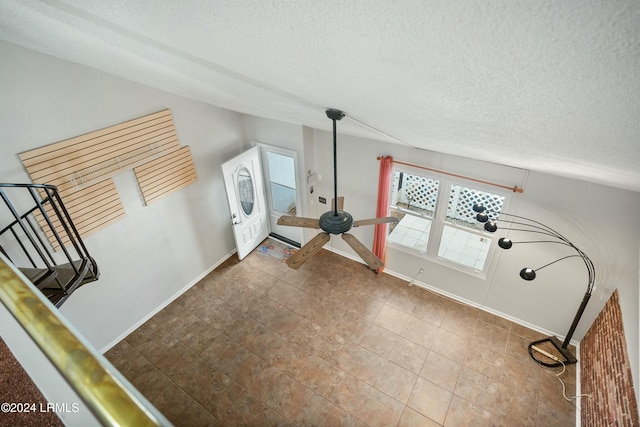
[[441, 371], [460, 319], [450, 345], [477, 388], [409, 355], [430, 400], [396, 382], [281, 292], [491, 336], [326, 414], [411, 418], [465, 414], [432, 308], [391, 319], [379, 340], [420, 332]]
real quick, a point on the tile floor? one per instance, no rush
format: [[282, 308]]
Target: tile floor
[[257, 344], [412, 232], [463, 247], [458, 245]]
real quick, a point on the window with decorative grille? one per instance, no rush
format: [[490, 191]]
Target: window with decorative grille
[[437, 221]]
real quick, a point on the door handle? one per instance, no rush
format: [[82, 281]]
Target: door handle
[[234, 222]]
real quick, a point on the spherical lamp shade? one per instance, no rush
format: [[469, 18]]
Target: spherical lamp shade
[[528, 273], [478, 207], [491, 227], [482, 217], [505, 243]]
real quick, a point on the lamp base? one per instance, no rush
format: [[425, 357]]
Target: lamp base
[[569, 358]]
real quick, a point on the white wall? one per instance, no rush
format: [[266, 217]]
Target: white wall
[[155, 251], [602, 221]]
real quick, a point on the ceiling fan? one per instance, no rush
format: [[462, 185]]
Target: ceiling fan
[[335, 221]]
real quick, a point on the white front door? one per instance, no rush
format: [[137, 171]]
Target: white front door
[[245, 193]]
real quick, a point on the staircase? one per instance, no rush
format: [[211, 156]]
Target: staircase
[[42, 241]]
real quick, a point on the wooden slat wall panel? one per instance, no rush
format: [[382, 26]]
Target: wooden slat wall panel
[[91, 209], [82, 167], [55, 163], [106, 203], [163, 176], [68, 145]]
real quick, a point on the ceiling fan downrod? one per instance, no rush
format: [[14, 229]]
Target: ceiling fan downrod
[[335, 115]]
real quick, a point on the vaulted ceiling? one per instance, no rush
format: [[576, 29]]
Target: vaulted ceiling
[[551, 86]]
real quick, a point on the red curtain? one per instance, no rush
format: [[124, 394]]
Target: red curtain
[[382, 209]]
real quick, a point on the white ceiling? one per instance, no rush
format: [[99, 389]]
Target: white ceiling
[[551, 86]]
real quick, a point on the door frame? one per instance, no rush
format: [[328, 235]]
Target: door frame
[[297, 235]]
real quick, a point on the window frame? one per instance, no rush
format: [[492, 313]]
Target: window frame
[[439, 220]]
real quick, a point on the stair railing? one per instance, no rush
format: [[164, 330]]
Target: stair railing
[[57, 232]]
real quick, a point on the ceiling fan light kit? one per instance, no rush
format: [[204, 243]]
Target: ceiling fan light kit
[[333, 222]]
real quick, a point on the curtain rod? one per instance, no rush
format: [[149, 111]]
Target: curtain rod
[[515, 188]]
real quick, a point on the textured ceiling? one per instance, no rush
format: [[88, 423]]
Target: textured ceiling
[[551, 86]]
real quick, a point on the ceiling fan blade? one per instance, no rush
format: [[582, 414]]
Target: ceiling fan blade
[[375, 221], [308, 250], [297, 221], [372, 261]]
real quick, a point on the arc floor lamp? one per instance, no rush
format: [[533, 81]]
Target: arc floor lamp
[[550, 236]]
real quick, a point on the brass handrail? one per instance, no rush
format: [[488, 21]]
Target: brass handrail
[[108, 398]]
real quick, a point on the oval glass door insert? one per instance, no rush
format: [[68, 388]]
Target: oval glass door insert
[[245, 190]]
